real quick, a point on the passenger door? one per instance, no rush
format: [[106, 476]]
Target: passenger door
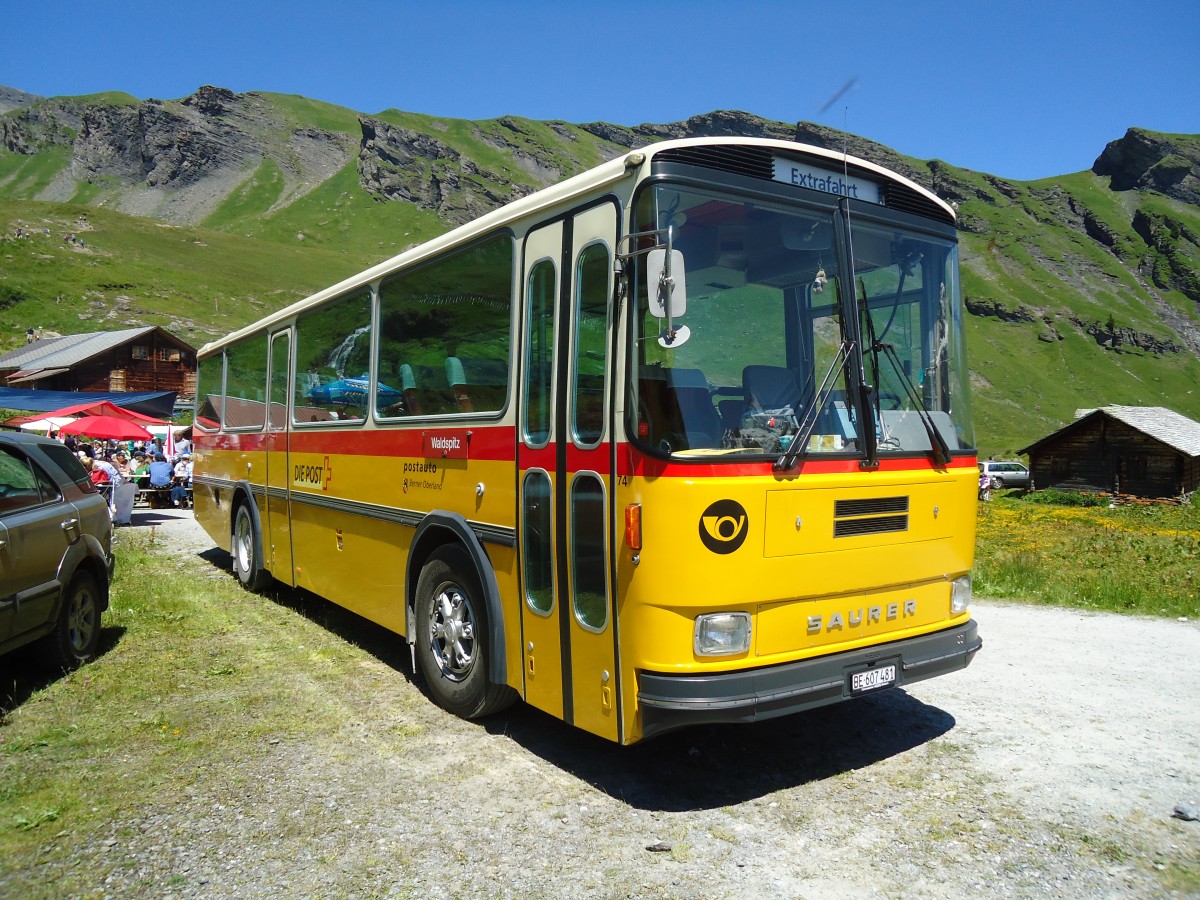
[[564, 470], [277, 539]]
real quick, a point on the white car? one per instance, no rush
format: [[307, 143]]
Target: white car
[[1005, 474]]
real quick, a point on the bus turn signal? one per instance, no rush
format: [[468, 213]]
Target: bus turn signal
[[633, 526]]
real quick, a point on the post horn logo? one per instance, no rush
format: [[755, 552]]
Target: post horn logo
[[723, 526]]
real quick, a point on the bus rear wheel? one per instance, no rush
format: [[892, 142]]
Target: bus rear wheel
[[452, 636], [247, 557]]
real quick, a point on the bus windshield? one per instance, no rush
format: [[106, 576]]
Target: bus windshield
[[770, 359]]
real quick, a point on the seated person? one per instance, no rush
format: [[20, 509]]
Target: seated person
[[161, 477], [120, 461], [183, 481], [160, 472]]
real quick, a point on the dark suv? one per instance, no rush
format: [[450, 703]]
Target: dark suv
[[56, 557]]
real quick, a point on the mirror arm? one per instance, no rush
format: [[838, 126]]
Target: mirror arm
[[666, 285]]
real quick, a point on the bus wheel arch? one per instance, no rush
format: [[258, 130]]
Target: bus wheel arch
[[245, 541], [450, 585]]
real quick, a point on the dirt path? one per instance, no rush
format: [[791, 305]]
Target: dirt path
[[1050, 768]]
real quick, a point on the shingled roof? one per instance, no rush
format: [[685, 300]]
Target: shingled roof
[[68, 350], [1162, 424]]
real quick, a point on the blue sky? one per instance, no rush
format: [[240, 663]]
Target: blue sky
[[1019, 89]]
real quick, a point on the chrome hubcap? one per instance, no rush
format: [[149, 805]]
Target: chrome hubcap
[[452, 633]]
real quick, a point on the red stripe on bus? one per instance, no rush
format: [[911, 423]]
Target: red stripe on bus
[[633, 463], [494, 442]]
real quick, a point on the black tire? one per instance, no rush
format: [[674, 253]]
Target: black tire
[[76, 633], [452, 636], [245, 548]]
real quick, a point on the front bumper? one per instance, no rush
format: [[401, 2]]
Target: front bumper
[[675, 701]]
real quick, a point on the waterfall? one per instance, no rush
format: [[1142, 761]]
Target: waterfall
[[338, 360]]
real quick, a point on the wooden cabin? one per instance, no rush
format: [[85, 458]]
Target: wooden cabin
[[134, 360], [1145, 451]]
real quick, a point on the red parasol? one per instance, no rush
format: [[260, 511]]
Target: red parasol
[[107, 428], [103, 408]]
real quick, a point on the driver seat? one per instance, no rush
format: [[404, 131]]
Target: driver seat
[[772, 389]]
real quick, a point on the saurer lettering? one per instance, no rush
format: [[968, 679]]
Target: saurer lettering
[[870, 615]]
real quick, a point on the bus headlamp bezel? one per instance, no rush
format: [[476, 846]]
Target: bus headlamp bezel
[[722, 634]]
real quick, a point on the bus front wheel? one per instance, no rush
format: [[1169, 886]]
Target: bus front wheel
[[452, 636], [247, 557]]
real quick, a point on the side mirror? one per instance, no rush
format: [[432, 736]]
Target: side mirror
[[666, 283]]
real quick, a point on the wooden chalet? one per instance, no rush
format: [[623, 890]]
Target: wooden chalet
[[133, 360], [1145, 451]]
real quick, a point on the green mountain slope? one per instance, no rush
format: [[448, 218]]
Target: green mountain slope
[[204, 213]]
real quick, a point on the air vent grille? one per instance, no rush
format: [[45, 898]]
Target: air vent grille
[[872, 515], [756, 162], [899, 196], [870, 506], [759, 162], [877, 525]]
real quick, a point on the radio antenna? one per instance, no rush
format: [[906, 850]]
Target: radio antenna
[[845, 141]]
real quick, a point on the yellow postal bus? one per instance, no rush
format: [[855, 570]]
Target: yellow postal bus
[[685, 438]]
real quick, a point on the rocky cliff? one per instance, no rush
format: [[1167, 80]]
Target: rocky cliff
[[1143, 160], [173, 160]]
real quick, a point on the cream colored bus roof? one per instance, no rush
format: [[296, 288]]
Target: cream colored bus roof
[[546, 198]]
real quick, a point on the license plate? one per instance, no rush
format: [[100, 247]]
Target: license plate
[[872, 679]]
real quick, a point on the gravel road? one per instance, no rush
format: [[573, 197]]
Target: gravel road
[[1050, 768]]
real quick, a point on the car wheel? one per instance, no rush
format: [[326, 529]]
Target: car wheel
[[247, 557], [452, 636], [76, 633]]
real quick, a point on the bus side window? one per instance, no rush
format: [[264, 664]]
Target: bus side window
[[332, 358], [592, 309], [445, 334], [246, 383]]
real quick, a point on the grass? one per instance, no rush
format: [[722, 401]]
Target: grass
[[193, 670], [196, 282], [1143, 560]]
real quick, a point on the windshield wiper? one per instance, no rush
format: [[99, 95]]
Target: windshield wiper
[[937, 443], [812, 412]]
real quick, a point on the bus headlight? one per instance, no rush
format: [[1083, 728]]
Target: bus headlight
[[960, 595], [722, 634]]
